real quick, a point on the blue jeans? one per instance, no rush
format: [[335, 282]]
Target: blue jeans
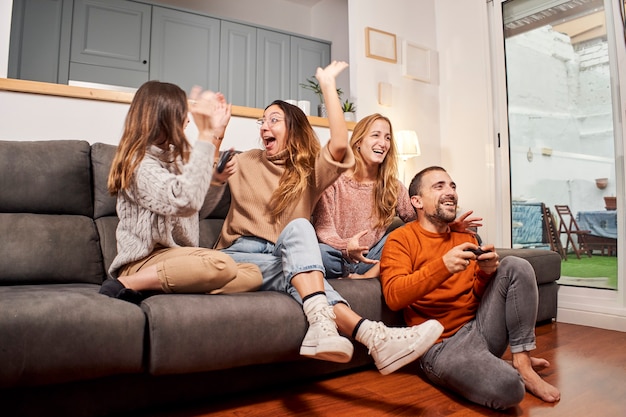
[[338, 267], [469, 363], [295, 251]]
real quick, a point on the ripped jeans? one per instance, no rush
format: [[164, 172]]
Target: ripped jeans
[[296, 250], [469, 363]]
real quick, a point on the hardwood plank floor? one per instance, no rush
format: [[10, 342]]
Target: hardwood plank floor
[[588, 366]]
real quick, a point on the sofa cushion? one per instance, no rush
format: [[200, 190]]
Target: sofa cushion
[[101, 157], [197, 332], [209, 232], [49, 248], [108, 244], [187, 332], [59, 333], [48, 177]]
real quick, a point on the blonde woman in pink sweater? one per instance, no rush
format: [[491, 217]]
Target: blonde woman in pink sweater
[[353, 215]]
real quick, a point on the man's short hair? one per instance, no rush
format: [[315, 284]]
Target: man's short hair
[[415, 187]]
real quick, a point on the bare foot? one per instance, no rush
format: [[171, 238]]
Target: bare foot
[[534, 383], [537, 363]]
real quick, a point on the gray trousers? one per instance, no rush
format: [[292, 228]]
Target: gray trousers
[[469, 363]]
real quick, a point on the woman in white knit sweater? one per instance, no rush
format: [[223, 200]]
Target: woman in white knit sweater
[[161, 184]]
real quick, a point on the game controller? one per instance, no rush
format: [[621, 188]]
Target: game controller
[[478, 251], [226, 156]]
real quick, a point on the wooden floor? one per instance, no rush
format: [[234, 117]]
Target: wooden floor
[[588, 366]]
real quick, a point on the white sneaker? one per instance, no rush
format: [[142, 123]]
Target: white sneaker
[[394, 347], [322, 340]]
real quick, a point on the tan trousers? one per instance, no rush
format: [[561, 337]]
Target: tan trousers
[[198, 270]]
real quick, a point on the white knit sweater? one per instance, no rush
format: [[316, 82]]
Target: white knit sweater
[[161, 207]]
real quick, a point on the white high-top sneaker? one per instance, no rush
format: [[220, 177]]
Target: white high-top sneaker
[[322, 340], [394, 347]]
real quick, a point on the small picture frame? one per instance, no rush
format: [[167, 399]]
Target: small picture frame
[[416, 62], [380, 45]]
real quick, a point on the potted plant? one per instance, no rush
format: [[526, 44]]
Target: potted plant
[[313, 85], [349, 110]]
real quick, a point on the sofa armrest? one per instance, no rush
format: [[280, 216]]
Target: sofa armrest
[[546, 263]]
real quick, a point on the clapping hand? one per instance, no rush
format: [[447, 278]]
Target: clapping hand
[[211, 114]]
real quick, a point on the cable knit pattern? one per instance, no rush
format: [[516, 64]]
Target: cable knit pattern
[[161, 207], [347, 208], [252, 187]]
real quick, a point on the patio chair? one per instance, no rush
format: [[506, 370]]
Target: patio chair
[[569, 226]]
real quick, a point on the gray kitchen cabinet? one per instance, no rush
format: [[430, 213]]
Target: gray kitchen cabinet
[[126, 43], [238, 63], [306, 56], [185, 49], [273, 77], [110, 42], [40, 34]]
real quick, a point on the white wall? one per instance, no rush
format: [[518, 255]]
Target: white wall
[[40, 117], [468, 145], [415, 104]]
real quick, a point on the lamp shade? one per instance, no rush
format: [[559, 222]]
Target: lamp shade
[[407, 143]]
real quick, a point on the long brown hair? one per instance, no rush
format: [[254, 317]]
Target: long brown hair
[[156, 116], [386, 188], [303, 147]]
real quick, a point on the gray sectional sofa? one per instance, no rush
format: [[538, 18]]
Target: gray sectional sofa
[[66, 350]]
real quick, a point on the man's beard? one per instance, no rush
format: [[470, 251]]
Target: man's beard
[[441, 216]]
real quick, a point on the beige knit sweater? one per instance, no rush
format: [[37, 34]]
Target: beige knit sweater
[[252, 186]]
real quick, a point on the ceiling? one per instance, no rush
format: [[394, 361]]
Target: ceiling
[[580, 19]]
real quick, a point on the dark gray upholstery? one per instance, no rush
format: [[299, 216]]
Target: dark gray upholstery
[[101, 158], [45, 177], [64, 332], [66, 350]]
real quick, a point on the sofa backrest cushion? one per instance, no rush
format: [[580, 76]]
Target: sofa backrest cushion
[[46, 177], [46, 208], [101, 158]]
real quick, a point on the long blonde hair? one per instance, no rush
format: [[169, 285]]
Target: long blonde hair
[[156, 116], [386, 188], [303, 147]]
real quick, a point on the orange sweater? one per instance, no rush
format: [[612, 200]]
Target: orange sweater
[[415, 279]]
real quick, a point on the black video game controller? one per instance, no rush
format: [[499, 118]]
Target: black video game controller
[[478, 251], [226, 156]]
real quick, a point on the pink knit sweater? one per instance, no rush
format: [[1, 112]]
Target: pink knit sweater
[[347, 207]]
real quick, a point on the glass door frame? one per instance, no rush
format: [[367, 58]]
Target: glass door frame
[[586, 306]]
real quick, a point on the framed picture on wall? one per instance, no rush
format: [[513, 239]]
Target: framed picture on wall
[[417, 62], [380, 45]]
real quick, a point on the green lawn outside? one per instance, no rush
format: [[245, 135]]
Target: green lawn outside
[[596, 266]]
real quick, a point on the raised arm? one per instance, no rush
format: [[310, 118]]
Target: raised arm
[[327, 78]]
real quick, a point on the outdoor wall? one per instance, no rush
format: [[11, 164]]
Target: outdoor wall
[[560, 111]]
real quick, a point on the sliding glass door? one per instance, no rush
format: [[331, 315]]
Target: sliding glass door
[[564, 132]]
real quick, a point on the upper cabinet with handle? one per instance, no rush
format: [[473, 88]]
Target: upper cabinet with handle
[[110, 42]]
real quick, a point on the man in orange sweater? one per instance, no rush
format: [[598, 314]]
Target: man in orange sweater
[[429, 272]]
